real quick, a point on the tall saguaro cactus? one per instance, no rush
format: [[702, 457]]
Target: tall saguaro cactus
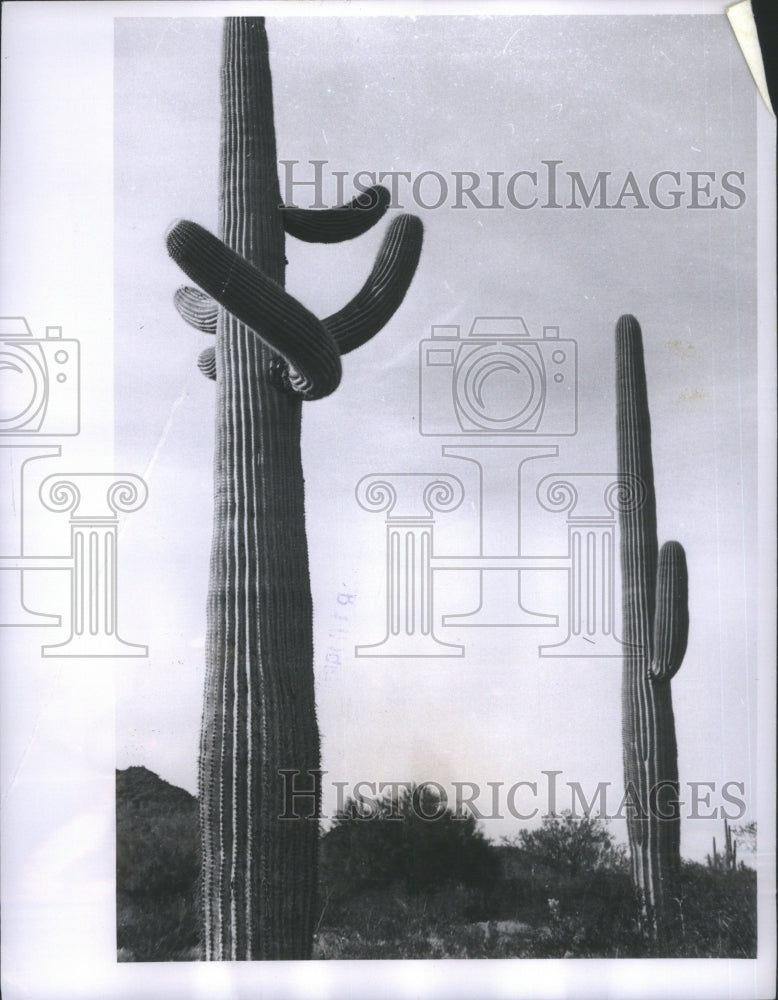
[[655, 626], [270, 354]]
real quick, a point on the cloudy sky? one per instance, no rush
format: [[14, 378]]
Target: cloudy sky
[[493, 96]]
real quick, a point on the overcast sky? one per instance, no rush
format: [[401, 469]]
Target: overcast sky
[[481, 94]]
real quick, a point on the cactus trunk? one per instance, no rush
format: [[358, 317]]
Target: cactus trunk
[[259, 871], [655, 625], [259, 715]]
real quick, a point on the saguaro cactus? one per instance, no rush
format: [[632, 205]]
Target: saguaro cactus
[[259, 718], [655, 626], [726, 862]]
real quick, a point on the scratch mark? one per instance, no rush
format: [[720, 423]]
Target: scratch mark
[[163, 436], [508, 43]]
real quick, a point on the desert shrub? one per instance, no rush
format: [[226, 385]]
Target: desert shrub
[[398, 846], [157, 869], [157, 928], [595, 914], [569, 845], [573, 879], [395, 924], [718, 913]]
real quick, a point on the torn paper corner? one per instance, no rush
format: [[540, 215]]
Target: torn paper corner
[[741, 18]]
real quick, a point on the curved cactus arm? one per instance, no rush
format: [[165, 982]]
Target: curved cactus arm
[[380, 296], [197, 308], [671, 618], [207, 363], [251, 297], [334, 225]]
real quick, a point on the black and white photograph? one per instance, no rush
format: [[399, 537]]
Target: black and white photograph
[[388, 534]]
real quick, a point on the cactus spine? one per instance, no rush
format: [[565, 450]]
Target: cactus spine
[[655, 626], [259, 717]]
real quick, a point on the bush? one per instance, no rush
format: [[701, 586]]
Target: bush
[[596, 914], [157, 869], [575, 880], [158, 929], [410, 840], [569, 845], [718, 913]]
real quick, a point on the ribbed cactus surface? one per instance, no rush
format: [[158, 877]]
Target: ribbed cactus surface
[[270, 353], [655, 628]]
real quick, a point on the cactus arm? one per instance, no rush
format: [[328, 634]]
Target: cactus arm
[[378, 299], [671, 618], [197, 308], [262, 304], [307, 344], [335, 225], [207, 363]]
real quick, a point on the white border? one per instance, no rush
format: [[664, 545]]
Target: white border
[[73, 951]]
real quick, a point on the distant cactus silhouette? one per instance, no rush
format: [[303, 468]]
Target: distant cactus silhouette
[[726, 862], [655, 626], [270, 353]]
